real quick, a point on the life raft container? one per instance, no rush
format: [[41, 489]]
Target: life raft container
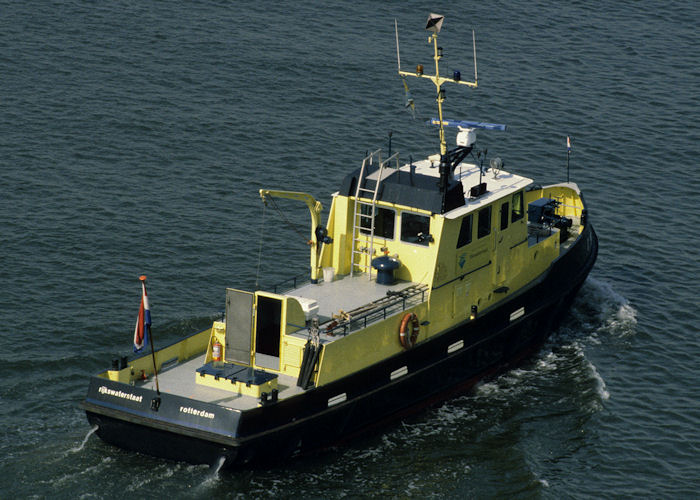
[[408, 339]]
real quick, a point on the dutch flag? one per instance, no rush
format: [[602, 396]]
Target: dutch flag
[[568, 144], [143, 321]]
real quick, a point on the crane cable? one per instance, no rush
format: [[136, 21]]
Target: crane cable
[[289, 223], [262, 224]]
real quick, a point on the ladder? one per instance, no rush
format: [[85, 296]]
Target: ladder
[[365, 210]]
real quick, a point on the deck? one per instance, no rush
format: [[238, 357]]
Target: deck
[[180, 379], [349, 303], [356, 299]]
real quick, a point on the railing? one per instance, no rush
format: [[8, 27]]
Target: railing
[[377, 310], [300, 279]]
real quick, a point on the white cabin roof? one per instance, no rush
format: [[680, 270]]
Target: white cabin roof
[[499, 184]]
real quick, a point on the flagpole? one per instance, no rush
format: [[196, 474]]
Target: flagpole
[[568, 154], [150, 340], [153, 355]]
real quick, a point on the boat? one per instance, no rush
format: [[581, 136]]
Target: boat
[[426, 278]]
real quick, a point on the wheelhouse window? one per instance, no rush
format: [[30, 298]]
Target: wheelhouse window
[[415, 228], [465, 231], [383, 221], [484, 222], [517, 212], [505, 212]]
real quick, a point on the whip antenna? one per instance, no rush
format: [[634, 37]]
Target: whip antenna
[[396, 29], [473, 45]]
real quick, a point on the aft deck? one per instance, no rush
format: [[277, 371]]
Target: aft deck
[[180, 380], [346, 304]]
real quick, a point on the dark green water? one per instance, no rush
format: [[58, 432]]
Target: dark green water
[[134, 137]]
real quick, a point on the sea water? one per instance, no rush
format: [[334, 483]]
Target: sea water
[[134, 137]]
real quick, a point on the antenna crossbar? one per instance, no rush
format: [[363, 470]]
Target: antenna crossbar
[[436, 78]]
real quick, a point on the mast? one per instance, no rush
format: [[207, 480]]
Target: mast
[[434, 25]]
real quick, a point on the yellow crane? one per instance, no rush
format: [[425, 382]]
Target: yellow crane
[[315, 209]]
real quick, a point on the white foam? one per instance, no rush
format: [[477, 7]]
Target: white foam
[[87, 436], [615, 314], [601, 388], [624, 319], [86, 471], [212, 477], [153, 475]]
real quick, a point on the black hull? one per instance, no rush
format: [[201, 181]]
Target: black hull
[[493, 342]]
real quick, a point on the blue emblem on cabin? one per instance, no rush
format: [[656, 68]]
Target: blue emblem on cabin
[[462, 260]]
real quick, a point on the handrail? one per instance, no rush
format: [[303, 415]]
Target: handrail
[[381, 312], [298, 279], [461, 276], [395, 156]]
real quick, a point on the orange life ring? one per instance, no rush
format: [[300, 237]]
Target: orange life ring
[[409, 340]]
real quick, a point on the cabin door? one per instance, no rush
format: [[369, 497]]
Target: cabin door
[[239, 326], [268, 331], [460, 304]]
